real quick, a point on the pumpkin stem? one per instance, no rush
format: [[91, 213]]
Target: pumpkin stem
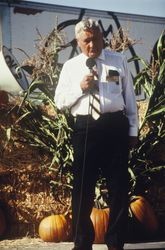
[[99, 201], [134, 198], [97, 204]]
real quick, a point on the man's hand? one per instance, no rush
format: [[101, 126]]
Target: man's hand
[[88, 83]]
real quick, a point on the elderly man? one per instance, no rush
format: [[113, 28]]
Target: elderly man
[[96, 87]]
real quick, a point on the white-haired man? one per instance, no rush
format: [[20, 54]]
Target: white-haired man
[[102, 143]]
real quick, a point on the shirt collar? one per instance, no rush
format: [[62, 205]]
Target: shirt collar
[[102, 55]]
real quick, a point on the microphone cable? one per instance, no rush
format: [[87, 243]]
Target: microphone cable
[[83, 170], [90, 64]]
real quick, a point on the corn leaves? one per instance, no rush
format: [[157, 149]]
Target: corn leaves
[[151, 79]]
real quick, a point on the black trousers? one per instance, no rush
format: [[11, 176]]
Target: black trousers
[[100, 145]]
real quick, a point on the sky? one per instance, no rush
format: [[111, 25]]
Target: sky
[[141, 7]]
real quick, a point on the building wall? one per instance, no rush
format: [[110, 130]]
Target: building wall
[[20, 22]]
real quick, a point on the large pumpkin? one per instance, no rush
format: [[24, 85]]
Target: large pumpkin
[[54, 228], [100, 219], [144, 213]]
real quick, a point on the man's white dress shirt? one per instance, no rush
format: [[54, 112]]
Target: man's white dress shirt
[[114, 96]]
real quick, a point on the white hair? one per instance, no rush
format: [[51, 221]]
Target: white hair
[[86, 24]]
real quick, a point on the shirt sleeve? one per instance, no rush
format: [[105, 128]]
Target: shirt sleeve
[[130, 100], [67, 92]]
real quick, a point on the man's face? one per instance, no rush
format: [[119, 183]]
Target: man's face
[[90, 42]]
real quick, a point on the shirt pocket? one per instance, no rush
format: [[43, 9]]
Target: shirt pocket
[[114, 86], [113, 80]]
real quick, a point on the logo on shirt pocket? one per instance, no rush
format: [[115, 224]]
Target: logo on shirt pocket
[[113, 76], [113, 79]]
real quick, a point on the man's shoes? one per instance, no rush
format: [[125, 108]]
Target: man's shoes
[[115, 248], [77, 248], [82, 248]]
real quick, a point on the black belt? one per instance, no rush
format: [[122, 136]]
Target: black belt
[[104, 115]]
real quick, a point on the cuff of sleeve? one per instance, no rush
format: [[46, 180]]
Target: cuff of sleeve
[[133, 132]]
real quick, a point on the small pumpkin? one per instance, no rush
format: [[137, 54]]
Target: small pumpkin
[[54, 228], [100, 218], [144, 213]]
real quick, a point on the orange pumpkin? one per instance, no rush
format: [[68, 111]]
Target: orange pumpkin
[[144, 213], [54, 228], [100, 219]]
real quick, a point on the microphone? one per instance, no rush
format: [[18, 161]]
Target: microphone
[[90, 63]]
